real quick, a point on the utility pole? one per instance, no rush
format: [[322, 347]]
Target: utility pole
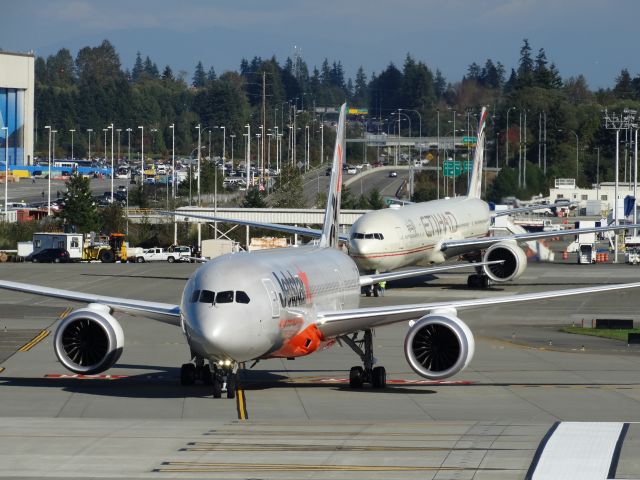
[[618, 122]]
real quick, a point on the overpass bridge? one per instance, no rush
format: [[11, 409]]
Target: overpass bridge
[[427, 143]]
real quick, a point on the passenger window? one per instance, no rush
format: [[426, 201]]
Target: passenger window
[[207, 296], [194, 296], [225, 297], [242, 297]]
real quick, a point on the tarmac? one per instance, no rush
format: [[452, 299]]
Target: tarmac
[[298, 419]]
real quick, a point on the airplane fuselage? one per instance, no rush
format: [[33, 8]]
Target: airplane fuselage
[[243, 306], [392, 238]]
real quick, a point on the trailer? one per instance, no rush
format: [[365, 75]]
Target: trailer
[[632, 250], [71, 242], [586, 242]]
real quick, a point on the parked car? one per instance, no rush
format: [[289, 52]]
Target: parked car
[[352, 171], [49, 255], [393, 174]]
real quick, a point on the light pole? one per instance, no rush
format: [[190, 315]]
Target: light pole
[[438, 155], [199, 128], [118, 157], [48, 127], [224, 142], [260, 163], [232, 136], [173, 160], [112, 172], [89, 130], [53, 154], [506, 160], [72, 130], [419, 128], [141, 127], [248, 159], [129, 148], [6, 170]]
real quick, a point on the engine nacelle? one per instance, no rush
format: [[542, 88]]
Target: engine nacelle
[[513, 265], [89, 340], [438, 346]]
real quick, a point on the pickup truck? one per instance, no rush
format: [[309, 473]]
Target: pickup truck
[[157, 254]]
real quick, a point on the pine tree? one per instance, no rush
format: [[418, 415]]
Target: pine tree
[[138, 68], [439, 84], [199, 77], [211, 75], [80, 209], [525, 67], [542, 75], [167, 73]]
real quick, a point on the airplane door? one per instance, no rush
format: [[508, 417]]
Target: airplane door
[[273, 297]]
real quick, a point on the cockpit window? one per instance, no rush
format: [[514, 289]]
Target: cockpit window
[[368, 235], [358, 236], [378, 236], [225, 297], [242, 297], [194, 296], [207, 296]]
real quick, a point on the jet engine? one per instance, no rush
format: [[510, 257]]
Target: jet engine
[[90, 340], [514, 261], [439, 345]]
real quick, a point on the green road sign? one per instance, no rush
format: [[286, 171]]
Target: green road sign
[[472, 140], [467, 166], [451, 168]]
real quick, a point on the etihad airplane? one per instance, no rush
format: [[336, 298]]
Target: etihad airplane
[[286, 302], [432, 232]]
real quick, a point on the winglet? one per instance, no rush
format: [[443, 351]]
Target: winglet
[[330, 230], [475, 184]]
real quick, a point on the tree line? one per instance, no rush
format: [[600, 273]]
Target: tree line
[[94, 90]]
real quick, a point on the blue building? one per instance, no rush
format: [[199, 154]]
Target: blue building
[[16, 107]]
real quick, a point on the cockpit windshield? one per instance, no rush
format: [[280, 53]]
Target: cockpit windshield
[[227, 296], [368, 236]]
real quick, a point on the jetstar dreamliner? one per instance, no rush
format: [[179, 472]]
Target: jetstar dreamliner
[[286, 302], [427, 233]]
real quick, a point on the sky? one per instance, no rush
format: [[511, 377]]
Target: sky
[[590, 37]]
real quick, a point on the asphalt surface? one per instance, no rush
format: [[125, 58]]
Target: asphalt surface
[[298, 419]]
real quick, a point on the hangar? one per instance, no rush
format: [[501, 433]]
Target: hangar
[[16, 106]]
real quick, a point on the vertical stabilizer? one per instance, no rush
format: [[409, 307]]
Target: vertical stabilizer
[[475, 184], [330, 233]]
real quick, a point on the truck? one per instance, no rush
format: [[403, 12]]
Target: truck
[[157, 254], [213, 247]]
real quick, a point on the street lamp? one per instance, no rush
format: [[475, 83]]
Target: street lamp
[[419, 128], [232, 137], [173, 160], [199, 128], [248, 159], [224, 142], [112, 172], [105, 130], [6, 170], [48, 127], [141, 127], [506, 160], [72, 131], [118, 130], [89, 130], [53, 154]]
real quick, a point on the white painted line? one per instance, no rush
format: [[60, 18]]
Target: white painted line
[[581, 450]]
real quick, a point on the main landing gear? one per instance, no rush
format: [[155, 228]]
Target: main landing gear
[[358, 376], [221, 377], [478, 281]]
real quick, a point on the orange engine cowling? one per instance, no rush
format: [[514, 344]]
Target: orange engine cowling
[[89, 340]]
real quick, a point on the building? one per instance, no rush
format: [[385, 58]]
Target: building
[[16, 107], [565, 189]]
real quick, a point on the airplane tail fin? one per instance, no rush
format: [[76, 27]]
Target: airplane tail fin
[[475, 184], [330, 229]]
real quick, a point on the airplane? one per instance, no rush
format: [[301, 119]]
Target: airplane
[[433, 232], [280, 303]]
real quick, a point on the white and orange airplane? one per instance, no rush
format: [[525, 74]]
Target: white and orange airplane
[[286, 302]]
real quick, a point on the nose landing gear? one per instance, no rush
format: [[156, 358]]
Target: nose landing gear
[[358, 376], [223, 378]]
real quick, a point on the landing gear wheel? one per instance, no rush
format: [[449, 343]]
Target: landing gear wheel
[[232, 381], [187, 374], [204, 374], [379, 377], [217, 383], [356, 377]]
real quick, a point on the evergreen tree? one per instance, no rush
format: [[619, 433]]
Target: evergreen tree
[[288, 189], [525, 66], [360, 92], [254, 199], [199, 77], [80, 209], [138, 68], [542, 75], [167, 73], [439, 84], [150, 69], [623, 88], [211, 75]]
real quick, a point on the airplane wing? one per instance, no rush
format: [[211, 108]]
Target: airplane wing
[[309, 232], [417, 272], [530, 208], [335, 323], [456, 247], [163, 312]]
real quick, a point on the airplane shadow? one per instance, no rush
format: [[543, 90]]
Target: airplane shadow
[[164, 383]]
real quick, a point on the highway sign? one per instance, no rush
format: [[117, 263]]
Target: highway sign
[[451, 168], [471, 140]]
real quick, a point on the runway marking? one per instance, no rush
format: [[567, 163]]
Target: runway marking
[[197, 467], [241, 404], [285, 447], [37, 339], [584, 450]]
